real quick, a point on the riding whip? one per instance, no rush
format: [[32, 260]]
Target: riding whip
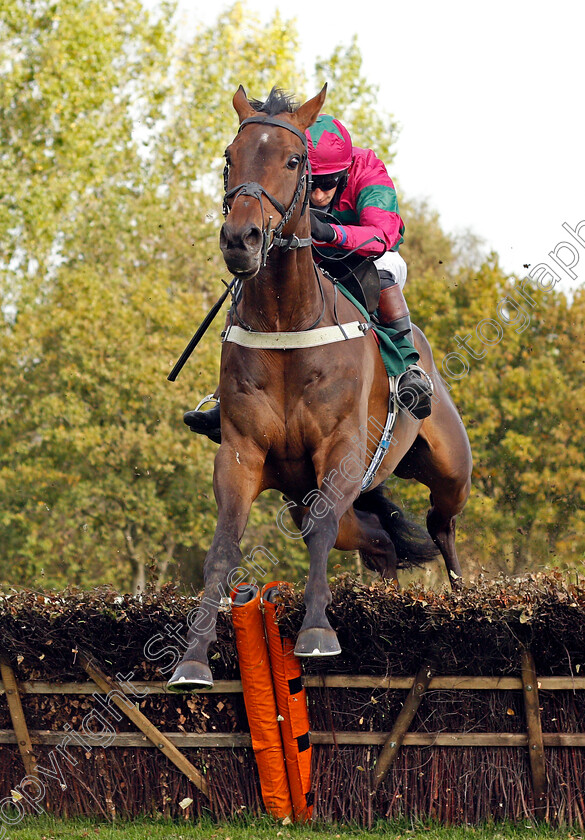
[[200, 333]]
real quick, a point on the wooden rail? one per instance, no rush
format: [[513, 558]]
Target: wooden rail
[[156, 738], [455, 683], [395, 739], [21, 733], [417, 688], [535, 736], [231, 740]]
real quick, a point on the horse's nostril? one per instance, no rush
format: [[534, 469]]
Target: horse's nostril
[[231, 238], [253, 238]]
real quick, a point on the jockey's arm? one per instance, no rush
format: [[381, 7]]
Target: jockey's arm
[[379, 229], [370, 197]]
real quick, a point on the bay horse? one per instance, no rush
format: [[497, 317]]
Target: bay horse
[[297, 419]]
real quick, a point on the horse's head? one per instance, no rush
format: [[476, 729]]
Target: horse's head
[[266, 183]]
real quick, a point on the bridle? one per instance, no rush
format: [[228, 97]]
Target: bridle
[[255, 190]]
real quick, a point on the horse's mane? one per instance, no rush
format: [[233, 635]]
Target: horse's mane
[[278, 102]]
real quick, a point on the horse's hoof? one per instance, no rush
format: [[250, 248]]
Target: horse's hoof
[[191, 676], [317, 641]]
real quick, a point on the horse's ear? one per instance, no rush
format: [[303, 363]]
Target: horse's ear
[[241, 104], [308, 113]]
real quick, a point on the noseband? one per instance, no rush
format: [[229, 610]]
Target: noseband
[[255, 190]]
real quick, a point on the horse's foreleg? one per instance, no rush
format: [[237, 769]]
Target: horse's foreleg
[[236, 482], [326, 505]]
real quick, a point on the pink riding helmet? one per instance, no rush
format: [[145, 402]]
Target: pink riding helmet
[[329, 144]]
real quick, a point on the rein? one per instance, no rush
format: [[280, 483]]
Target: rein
[[255, 190]]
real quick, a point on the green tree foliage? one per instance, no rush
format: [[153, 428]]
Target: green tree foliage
[[92, 476], [208, 69], [71, 74]]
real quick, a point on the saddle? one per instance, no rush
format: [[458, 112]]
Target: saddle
[[358, 274]]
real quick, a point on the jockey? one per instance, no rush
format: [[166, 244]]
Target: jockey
[[353, 186]]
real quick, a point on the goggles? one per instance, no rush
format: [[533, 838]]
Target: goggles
[[327, 182]]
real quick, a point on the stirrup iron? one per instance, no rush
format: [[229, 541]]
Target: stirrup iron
[[205, 400]]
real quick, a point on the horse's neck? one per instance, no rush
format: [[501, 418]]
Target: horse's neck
[[285, 295]]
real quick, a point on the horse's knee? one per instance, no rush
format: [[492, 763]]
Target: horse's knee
[[319, 531]]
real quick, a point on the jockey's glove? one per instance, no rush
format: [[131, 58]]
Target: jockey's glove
[[321, 231]]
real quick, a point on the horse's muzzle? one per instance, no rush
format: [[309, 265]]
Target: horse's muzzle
[[241, 248]]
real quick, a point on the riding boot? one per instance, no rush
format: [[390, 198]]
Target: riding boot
[[414, 390], [205, 423]]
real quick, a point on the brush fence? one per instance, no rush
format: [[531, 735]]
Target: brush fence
[[454, 748], [458, 706]]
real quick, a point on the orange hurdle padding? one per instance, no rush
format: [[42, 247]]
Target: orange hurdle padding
[[291, 700], [260, 701]]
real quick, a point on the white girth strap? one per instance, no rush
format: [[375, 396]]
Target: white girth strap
[[295, 340]]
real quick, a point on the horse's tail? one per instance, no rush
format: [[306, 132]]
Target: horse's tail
[[413, 544]]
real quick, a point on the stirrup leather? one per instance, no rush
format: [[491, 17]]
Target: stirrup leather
[[386, 436]]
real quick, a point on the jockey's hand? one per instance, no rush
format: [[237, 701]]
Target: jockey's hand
[[321, 231]]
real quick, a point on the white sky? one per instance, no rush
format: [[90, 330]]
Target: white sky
[[490, 99]]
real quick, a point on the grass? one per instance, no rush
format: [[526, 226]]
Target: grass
[[50, 828]]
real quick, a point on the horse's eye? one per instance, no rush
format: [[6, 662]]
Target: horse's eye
[[293, 162]]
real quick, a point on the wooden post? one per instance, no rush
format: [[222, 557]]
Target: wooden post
[[152, 733], [535, 739], [394, 741], [17, 717]]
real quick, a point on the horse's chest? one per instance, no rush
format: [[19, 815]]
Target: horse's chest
[[290, 406]]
